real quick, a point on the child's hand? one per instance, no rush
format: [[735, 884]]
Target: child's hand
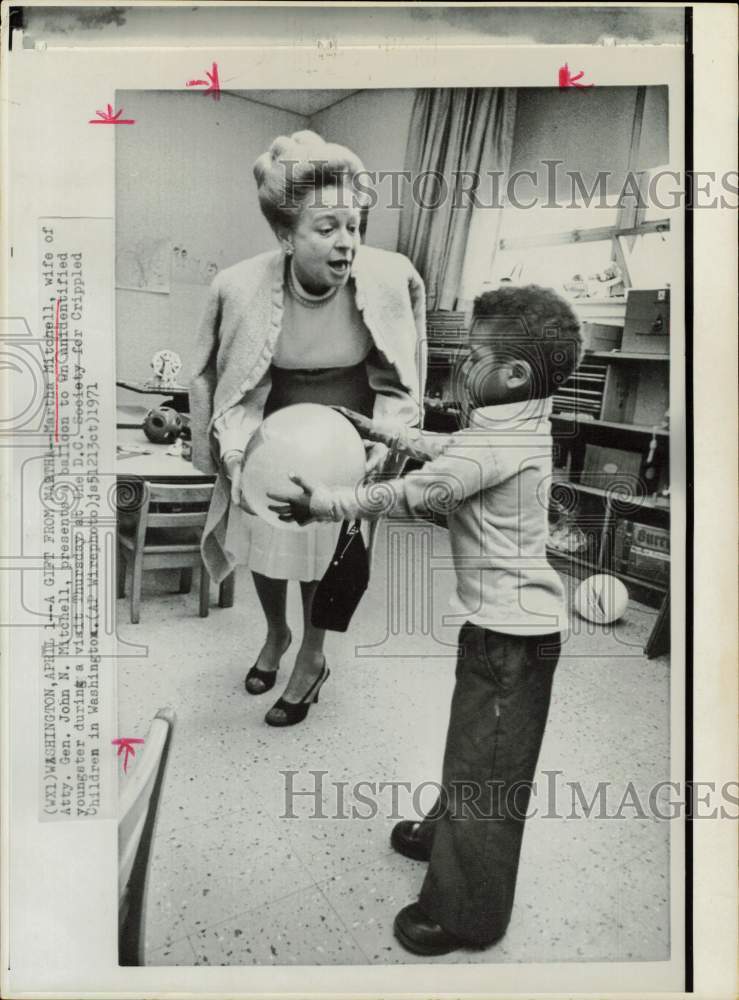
[[314, 504], [290, 508], [362, 424], [375, 456]]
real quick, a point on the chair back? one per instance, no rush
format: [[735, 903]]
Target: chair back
[[138, 806], [176, 505], [165, 505]]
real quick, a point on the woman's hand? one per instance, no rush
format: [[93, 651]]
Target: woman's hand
[[232, 466], [375, 455]]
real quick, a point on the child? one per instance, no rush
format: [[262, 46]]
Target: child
[[492, 478]]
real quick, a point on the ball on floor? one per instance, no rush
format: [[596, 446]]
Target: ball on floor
[[601, 599]]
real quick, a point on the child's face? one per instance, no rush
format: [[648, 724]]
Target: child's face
[[488, 379]]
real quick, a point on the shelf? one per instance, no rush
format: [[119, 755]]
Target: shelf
[[451, 410], [647, 502], [573, 557], [627, 356], [586, 564], [446, 409], [634, 428]]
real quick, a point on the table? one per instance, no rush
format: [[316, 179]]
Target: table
[[157, 466], [179, 394], [130, 415]]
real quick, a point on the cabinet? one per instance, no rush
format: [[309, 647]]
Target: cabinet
[[609, 502]]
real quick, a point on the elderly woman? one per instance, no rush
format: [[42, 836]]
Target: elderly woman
[[322, 319]]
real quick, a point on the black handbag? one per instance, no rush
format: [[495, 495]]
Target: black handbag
[[339, 592]]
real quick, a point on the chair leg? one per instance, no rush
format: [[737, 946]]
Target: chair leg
[[136, 576], [121, 573], [186, 580], [226, 591], [204, 591]]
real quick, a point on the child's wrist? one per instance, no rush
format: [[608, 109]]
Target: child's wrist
[[392, 432], [325, 505], [231, 459]]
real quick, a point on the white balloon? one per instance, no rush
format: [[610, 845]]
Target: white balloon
[[307, 440], [601, 599]]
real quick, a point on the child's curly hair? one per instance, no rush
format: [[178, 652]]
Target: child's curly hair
[[545, 332]]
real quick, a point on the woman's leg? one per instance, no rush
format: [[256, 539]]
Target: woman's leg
[[310, 659], [272, 596]]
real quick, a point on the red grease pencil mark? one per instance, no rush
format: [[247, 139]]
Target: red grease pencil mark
[[125, 746], [108, 118], [56, 372], [566, 79], [213, 83]]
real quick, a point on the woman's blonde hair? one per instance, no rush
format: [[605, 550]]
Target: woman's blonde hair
[[298, 166]]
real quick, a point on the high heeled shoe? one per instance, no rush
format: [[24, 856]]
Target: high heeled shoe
[[266, 677], [288, 713]]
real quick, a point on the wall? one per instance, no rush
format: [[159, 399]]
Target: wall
[[374, 124], [186, 202], [183, 180]]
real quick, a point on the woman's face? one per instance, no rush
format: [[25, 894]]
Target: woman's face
[[325, 239]]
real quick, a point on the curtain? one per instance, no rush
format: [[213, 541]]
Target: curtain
[[455, 134]]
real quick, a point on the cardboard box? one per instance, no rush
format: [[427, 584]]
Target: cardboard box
[[643, 551], [636, 393], [647, 322]]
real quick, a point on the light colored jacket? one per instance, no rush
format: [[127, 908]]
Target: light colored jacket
[[237, 338]]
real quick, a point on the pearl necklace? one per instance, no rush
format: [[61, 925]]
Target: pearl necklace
[[305, 298]]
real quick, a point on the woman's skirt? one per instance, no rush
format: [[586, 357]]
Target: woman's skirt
[[286, 553]]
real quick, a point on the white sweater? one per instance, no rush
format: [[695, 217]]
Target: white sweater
[[492, 480]]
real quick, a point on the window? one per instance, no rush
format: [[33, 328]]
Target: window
[[577, 249]]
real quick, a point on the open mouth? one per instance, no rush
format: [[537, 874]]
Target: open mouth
[[340, 267]]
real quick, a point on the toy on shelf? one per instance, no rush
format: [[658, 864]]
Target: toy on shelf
[[608, 283], [605, 284], [576, 287]]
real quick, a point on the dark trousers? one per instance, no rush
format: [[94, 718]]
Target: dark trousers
[[498, 714]]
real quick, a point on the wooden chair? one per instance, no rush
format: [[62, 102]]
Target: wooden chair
[[164, 533], [139, 803]]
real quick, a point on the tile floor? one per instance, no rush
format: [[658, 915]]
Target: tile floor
[[233, 882]]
